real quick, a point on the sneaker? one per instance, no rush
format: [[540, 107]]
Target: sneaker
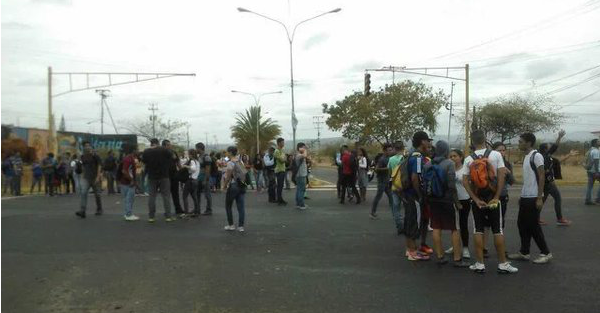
[[131, 218], [461, 263], [543, 258], [182, 215], [373, 216], [229, 227], [282, 203], [169, 219], [98, 213], [477, 267], [563, 222], [302, 208], [151, 220], [241, 229], [426, 249], [416, 256], [442, 260], [80, 214], [506, 268], [449, 251], [207, 212], [519, 256], [466, 254], [429, 228], [542, 222]]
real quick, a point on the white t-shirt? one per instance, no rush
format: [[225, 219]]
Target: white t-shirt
[[194, 169], [594, 155], [530, 184], [362, 163], [495, 159], [460, 189]]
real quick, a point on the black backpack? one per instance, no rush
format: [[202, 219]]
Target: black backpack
[[295, 167]]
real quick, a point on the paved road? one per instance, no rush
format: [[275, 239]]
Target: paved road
[[330, 258]]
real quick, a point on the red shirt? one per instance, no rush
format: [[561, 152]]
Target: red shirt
[[129, 166], [346, 164]]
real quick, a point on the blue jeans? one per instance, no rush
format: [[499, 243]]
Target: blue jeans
[[590, 188], [234, 193], [258, 175], [396, 213], [85, 188], [382, 186], [128, 192], [204, 187], [300, 190]]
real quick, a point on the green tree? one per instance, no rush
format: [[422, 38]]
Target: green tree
[[506, 118], [244, 130], [393, 113]]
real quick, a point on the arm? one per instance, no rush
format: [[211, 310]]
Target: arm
[[414, 179], [541, 180], [501, 180], [452, 185], [467, 185]]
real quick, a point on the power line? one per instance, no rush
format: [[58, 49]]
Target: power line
[[581, 99], [561, 89]]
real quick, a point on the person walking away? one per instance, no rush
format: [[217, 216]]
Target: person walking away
[[457, 156], [235, 176], [36, 173], [190, 188], [110, 166], [158, 162], [206, 167], [592, 167], [17, 165], [550, 175], [7, 175], [127, 177], [271, 182], [363, 168], [301, 175], [348, 176], [49, 167], [258, 172], [531, 202], [91, 178], [383, 179], [393, 165], [484, 178], [280, 170]]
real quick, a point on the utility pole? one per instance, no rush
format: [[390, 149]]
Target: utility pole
[[450, 117], [153, 107], [105, 93], [317, 122], [467, 133], [188, 135]]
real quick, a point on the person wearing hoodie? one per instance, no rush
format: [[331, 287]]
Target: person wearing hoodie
[[441, 195]]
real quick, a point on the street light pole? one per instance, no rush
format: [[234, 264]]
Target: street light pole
[[290, 40], [257, 101]]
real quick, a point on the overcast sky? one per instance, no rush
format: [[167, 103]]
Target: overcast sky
[[508, 44]]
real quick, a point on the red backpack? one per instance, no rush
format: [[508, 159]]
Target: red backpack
[[483, 175]]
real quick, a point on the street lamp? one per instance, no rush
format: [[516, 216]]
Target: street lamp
[[290, 40], [257, 101]]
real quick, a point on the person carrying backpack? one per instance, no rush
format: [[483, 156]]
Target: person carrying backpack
[[383, 179], [550, 188], [300, 173], [235, 176], [348, 176], [592, 167], [126, 176], [484, 178], [440, 193], [394, 182]]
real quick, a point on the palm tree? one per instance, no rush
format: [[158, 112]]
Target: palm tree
[[244, 130]]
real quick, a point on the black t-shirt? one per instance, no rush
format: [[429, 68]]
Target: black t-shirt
[[158, 162], [174, 160], [110, 163], [383, 163], [90, 162], [258, 164]]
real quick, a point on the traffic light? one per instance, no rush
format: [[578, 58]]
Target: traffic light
[[367, 84]]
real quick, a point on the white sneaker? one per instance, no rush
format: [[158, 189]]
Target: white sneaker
[[466, 254], [229, 227], [506, 268], [241, 229], [519, 256], [543, 258], [131, 218], [477, 267], [303, 208], [449, 251]]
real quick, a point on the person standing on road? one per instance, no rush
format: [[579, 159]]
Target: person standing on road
[[550, 188], [158, 161], [464, 209], [280, 170], [7, 175], [348, 176], [37, 174], [484, 178], [258, 172], [205, 163], [396, 205], [363, 177], [270, 180], [49, 168], [127, 178], [174, 166], [110, 166], [91, 178], [531, 203], [17, 165], [235, 176], [593, 172], [70, 183], [509, 181], [190, 187], [301, 160], [338, 163], [383, 179]]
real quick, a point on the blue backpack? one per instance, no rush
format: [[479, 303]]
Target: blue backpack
[[435, 181]]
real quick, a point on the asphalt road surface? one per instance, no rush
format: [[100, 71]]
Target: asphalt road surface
[[330, 258]]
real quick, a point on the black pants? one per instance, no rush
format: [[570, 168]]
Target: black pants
[[190, 188], [339, 182], [463, 221], [349, 181], [529, 226], [503, 207], [175, 195], [280, 183], [550, 189], [271, 183], [49, 183]]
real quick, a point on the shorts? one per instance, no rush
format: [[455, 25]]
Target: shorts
[[443, 216], [412, 216], [491, 218]]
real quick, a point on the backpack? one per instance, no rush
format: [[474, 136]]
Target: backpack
[[400, 178], [556, 168], [78, 167], [295, 168], [435, 181], [483, 175], [588, 163], [240, 175]]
